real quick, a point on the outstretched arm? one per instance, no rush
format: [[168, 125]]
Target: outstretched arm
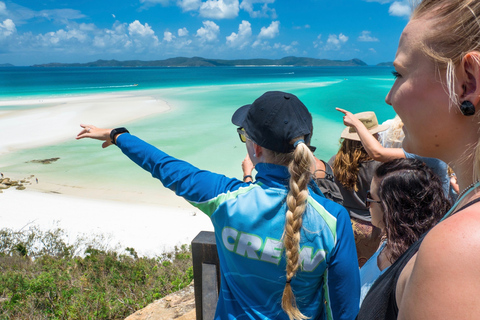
[[369, 142], [92, 132], [200, 187]]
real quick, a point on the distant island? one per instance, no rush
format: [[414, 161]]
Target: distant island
[[385, 64], [202, 62]]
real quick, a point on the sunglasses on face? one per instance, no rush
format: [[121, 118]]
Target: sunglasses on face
[[369, 200], [242, 134]]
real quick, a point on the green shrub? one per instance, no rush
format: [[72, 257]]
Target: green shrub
[[44, 277]]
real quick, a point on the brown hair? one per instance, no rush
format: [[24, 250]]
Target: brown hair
[[347, 163], [413, 201], [456, 33], [299, 162]]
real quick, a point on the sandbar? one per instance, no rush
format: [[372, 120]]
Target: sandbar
[[126, 218]]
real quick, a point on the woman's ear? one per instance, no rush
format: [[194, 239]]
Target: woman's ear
[[258, 150], [469, 78]]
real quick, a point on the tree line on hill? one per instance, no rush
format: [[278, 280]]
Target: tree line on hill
[[203, 62]]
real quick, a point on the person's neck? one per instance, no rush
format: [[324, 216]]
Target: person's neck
[[464, 172], [383, 261]]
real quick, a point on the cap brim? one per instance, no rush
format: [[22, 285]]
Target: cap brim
[[346, 134], [240, 115]]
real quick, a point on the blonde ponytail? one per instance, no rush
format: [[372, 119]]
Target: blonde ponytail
[[300, 176]]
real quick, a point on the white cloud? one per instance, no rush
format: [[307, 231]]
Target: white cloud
[[270, 32], [115, 39], [209, 31], [372, 50], [366, 37], [87, 27], [189, 5], [242, 38], [290, 49], [60, 14], [182, 32], [265, 11], [137, 29], [113, 16], [318, 42], [219, 9], [264, 45], [335, 42], [379, 1], [3, 9], [7, 28], [168, 36], [65, 35], [307, 26], [142, 37], [400, 9], [155, 2]]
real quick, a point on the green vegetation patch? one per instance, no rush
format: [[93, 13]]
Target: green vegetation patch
[[43, 277]]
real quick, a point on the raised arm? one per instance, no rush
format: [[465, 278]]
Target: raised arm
[[247, 168], [369, 142]]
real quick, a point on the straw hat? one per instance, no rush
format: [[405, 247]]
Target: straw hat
[[369, 119]]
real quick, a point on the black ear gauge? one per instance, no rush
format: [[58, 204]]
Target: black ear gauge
[[467, 108]]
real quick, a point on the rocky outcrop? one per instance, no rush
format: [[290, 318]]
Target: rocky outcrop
[[6, 183], [44, 161], [179, 305]]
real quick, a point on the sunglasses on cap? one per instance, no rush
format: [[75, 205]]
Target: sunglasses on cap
[[369, 200]]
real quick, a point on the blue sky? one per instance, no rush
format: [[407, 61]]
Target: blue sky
[[42, 31]]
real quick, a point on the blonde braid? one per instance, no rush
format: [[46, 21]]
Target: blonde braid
[[300, 175]]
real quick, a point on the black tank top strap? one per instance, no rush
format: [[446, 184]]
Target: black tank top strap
[[472, 202], [380, 302]]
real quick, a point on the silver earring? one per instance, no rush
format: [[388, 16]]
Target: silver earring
[[254, 155]]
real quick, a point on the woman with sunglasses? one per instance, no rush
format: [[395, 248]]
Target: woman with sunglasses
[[285, 251], [405, 200]]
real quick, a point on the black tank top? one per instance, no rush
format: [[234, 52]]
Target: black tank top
[[381, 302]]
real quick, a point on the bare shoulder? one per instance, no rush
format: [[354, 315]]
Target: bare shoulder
[[443, 282]]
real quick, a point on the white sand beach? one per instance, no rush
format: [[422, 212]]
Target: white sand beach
[[125, 217], [57, 119]]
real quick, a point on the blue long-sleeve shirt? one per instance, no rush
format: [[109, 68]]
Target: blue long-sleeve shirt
[[249, 221]]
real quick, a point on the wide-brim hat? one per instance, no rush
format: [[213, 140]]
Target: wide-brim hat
[[369, 119], [274, 119]]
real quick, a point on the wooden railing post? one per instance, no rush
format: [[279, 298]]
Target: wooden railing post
[[206, 274]]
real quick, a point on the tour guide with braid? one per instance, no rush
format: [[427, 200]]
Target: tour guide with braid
[[285, 250]]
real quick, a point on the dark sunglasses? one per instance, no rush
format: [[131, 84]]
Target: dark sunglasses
[[242, 134], [369, 200], [243, 137]]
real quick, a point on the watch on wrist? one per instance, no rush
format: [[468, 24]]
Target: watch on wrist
[[116, 131]]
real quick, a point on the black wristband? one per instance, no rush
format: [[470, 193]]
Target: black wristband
[[247, 176], [116, 131]]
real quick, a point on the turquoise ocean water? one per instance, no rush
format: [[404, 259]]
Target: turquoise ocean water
[[198, 129]]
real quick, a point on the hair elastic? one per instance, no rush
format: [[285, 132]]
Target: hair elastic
[[297, 143], [289, 280]]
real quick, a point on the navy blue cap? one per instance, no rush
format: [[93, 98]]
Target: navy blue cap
[[274, 119]]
